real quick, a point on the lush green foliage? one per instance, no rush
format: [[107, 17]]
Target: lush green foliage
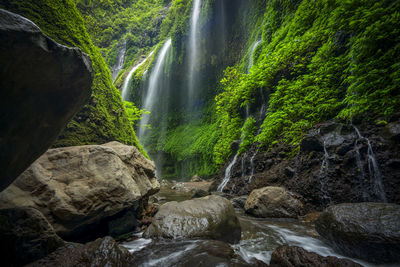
[[104, 118], [318, 60]]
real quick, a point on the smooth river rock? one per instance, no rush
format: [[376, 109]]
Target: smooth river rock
[[42, 86], [79, 189], [291, 256], [273, 202], [369, 231], [210, 217], [25, 236]]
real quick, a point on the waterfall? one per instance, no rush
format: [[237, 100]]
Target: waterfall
[[323, 174], [252, 166], [373, 169], [228, 172], [125, 87], [155, 83], [251, 58], [243, 167], [120, 61], [193, 50]]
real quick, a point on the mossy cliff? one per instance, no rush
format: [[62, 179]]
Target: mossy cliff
[[103, 119]]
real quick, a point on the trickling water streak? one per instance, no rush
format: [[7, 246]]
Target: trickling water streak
[[120, 61], [154, 84], [251, 56], [323, 174], [243, 169], [252, 166], [373, 169], [125, 87], [193, 48], [361, 169], [228, 172]]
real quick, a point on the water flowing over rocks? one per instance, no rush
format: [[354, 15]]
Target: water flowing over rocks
[[210, 217], [369, 231], [103, 252], [291, 256], [43, 85], [336, 163], [25, 236], [273, 202], [82, 190]]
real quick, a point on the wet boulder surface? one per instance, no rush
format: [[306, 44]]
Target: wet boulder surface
[[25, 236], [86, 192], [42, 86], [210, 217], [369, 231]]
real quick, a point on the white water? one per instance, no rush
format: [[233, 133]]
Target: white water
[[154, 86], [193, 49], [252, 166], [323, 174], [125, 87], [373, 169], [251, 56], [228, 172], [120, 62]]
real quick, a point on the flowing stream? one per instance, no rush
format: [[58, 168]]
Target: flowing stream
[[120, 61], [155, 84], [125, 87]]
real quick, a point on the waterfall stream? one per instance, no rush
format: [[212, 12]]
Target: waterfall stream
[[125, 87], [155, 84], [120, 61], [193, 50], [251, 56], [228, 173], [323, 172]]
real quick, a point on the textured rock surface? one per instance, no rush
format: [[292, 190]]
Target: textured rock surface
[[42, 85], [25, 236], [369, 231], [288, 256], [208, 217], [78, 188], [273, 202], [101, 252], [347, 176]]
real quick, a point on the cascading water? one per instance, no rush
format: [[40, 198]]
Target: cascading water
[[228, 173], [155, 85], [252, 166], [120, 61], [125, 87], [373, 169], [193, 50], [251, 56], [323, 174]]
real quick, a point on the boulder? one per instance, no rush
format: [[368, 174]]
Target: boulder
[[369, 231], [210, 217], [200, 193], [291, 256], [273, 202], [100, 253], [25, 236], [42, 86], [239, 202], [79, 188], [196, 178]]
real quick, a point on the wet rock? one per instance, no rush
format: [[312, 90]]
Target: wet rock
[[101, 252], [311, 143], [25, 236], [289, 172], [43, 85], [273, 202], [78, 189], [369, 231], [239, 202], [291, 256], [196, 178], [200, 193], [210, 217], [394, 130], [123, 224]]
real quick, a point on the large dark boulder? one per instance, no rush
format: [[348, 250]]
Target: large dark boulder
[[42, 85], [100, 253], [369, 231], [291, 256], [211, 217], [25, 236]]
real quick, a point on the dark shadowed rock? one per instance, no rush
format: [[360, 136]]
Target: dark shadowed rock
[[79, 189], [239, 202], [100, 253], [25, 236], [311, 143], [42, 85], [290, 256], [210, 217], [369, 231], [273, 202]]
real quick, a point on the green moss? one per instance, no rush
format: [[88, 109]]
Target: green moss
[[104, 118]]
